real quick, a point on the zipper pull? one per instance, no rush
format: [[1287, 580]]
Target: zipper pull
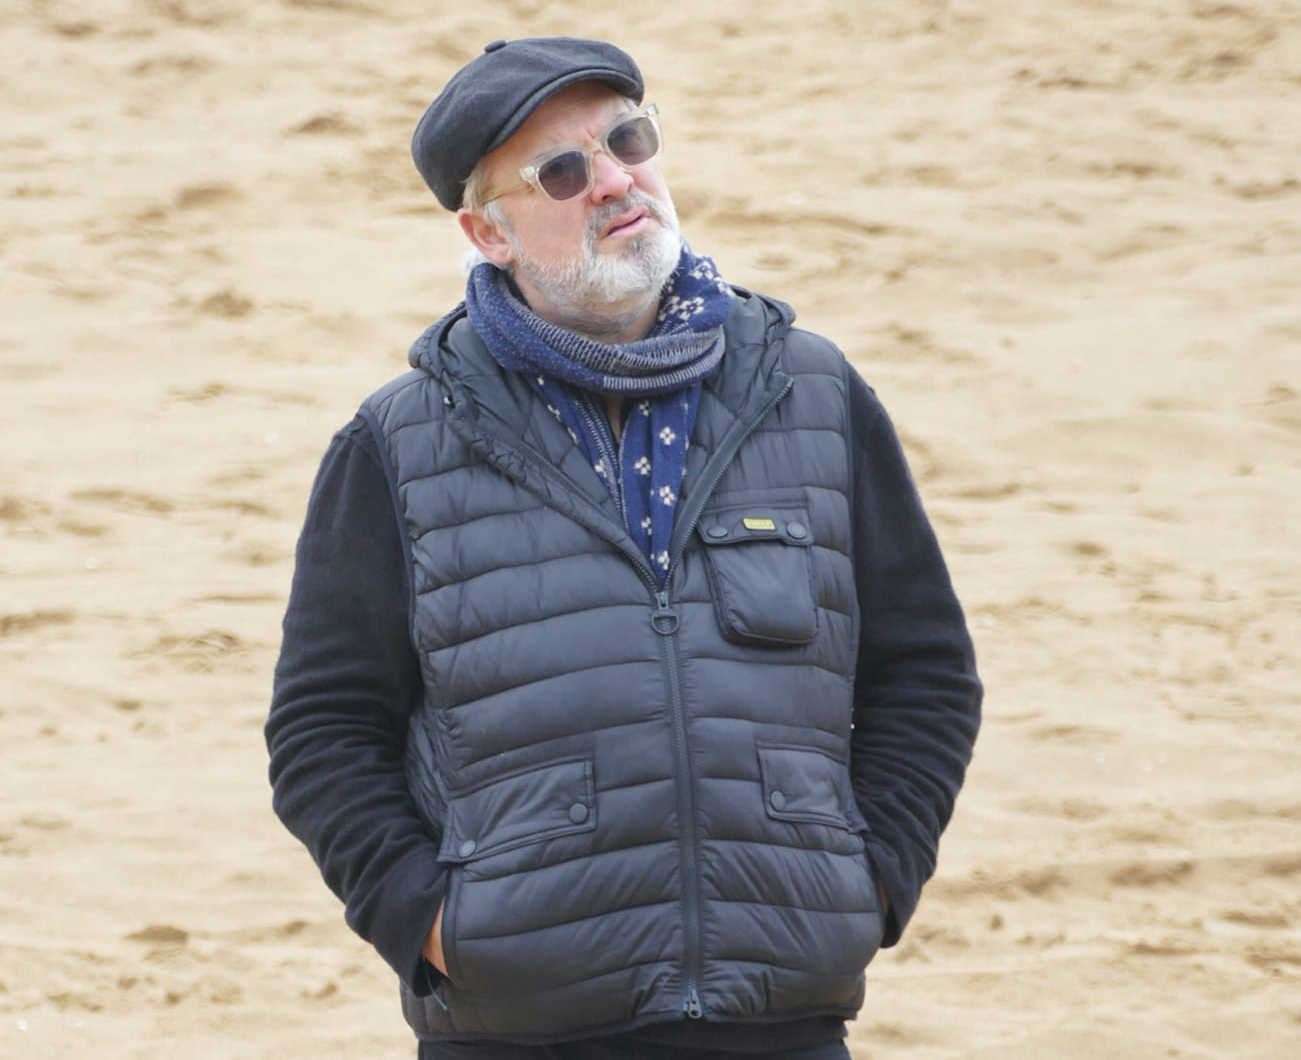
[[692, 1005], [664, 620]]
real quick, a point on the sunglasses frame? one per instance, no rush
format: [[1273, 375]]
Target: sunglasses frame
[[529, 173]]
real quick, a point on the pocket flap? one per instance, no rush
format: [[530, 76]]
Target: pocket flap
[[788, 523], [762, 587], [804, 784], [522, 807]]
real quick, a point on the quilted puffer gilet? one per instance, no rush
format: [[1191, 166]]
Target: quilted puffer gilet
[[644, 797]]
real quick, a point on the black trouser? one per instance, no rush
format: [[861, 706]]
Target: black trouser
[[597, 1050]]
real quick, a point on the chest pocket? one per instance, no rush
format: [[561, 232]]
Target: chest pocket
[[759, 562]]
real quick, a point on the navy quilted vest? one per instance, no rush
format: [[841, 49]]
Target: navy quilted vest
[[644, 797]]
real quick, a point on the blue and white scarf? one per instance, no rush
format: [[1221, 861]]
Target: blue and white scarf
[[663, 371]]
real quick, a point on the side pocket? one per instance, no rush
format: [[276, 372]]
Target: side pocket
[[804, 784], [488, 826], [809, 787], [517, 808], [871, 881], [760, 568], [448, 937], [858, 824]]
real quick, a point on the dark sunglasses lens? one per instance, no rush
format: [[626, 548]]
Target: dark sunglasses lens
[[564, 176], [635, 141]]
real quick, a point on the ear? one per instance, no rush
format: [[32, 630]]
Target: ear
[[489, 238]]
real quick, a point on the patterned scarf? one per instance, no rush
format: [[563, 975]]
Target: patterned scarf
[[644, 468]]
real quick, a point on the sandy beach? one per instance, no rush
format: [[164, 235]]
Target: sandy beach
[[1061, 240]]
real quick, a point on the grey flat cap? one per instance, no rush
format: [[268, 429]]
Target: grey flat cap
[[489, 98]]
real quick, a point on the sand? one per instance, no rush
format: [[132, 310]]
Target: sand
[[1062, 240]]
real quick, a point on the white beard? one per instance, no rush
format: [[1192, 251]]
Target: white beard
[[590, 286]]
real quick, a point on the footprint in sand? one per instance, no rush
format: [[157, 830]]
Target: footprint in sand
[[160, 935], [328, 124], [198, 654], [125, 500], [206, 196], [186, 65], [1072, 809], [227, 304], [1151, 873], [12, 625], [1073, 734]]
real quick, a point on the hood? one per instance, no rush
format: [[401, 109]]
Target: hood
[[424, 351]]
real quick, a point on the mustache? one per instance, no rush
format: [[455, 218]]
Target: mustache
[[607, 213]]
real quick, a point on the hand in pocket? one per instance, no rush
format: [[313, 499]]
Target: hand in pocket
[[433, 947]]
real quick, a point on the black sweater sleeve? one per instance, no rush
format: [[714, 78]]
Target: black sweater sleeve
[[917, 695], [345, 684]]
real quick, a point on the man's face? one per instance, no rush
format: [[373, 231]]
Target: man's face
[[618, 241]]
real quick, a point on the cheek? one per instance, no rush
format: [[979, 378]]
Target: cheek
[[552, 238], [564, 240], [649, 180]]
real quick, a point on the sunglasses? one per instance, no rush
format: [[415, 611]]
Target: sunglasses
[[567, 171]]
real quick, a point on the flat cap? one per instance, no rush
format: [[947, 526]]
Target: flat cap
[[489, 98]]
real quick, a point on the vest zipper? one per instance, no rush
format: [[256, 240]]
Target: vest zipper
[[665, 622]]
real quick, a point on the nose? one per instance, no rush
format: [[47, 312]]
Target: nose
[[609, 179]]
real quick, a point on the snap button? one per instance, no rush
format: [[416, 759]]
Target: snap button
[[578, 813], [717, 531], [468, 847], [796, 529], [777, 799], [494, 46]]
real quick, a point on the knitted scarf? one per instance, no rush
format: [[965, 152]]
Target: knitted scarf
[[644, 468]]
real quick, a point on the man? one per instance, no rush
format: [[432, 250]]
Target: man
[[624, 694]]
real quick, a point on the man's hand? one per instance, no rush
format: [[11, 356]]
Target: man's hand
[[433, 947]]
